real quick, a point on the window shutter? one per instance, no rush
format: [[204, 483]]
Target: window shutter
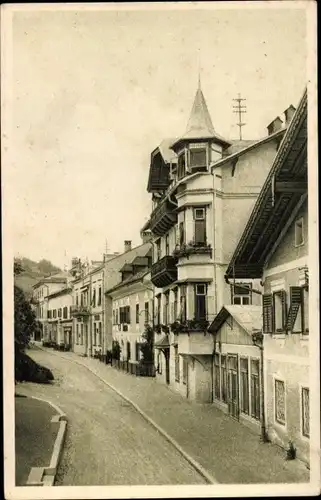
[[267, 313], [295, 303], [284, 307]]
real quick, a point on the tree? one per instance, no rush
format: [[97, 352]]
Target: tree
[[146, 347], [25, 323]]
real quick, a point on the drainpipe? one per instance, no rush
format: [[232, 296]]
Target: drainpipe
[[215, 280]]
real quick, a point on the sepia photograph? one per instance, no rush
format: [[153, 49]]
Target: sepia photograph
[[160, 228]]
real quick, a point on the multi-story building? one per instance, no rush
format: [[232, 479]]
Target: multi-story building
[[202, 196], [59, 318], [41, 292], [116, 270], [274, 248], [132, 301]]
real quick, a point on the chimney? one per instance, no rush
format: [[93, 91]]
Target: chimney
[[146, 236], [127, 245], [288, 113], [275, 126]]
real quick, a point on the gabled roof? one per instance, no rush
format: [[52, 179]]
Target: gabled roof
[[131, 279], [55, 278], [63, 291], [248, 317], [165, 150], [283, 191], [200, 124]]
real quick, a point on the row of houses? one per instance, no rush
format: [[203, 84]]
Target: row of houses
[[221, 278]]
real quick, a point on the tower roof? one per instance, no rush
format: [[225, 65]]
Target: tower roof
[[200, 124]]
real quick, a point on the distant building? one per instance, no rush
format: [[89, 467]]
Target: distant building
[[132, 302], [274, 248], [41, 291], [59, 319], [203, 189]]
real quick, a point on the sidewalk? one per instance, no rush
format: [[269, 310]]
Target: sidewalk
[[35, 435], [224, 447]]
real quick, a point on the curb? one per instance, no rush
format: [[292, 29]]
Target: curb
[[45, 476], [198, 467]]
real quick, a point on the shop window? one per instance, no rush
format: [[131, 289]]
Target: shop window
[[244, 373], [279, 398], [298, 232], [185, 371], [177, 374], [217, 377], [305, 411], [255, 389], [224, 378]]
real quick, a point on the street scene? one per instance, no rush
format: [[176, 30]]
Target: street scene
[[164, 326]]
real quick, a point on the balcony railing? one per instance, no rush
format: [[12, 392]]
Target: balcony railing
[[163, 218], [80, 311], [192, 248], [164, 271], [190, 325]]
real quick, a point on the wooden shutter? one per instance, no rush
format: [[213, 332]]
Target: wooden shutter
[[267, 313], [295, 303], [284, 307]]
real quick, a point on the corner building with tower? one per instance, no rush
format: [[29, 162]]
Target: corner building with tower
[[203, 189]]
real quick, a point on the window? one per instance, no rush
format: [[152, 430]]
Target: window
[[116, 316], [217, 377], [305, 411], [124, 315], [198, 158], [93, 302], [241, 294], [175, 305], [181, 233], [255, 389], [158, 318], [54, 313], [137, 350], [137, 314], [99, 296], [185, 370], [81, 334], [298, 232], [181, 165], [167, 244], [99, 333], [65, 312], [279, 310], [70, 311], [77, 300], [128, 351], [183, 303], [146, 312], [176, 357], [166, 309], [279, 398], [224, 378], [199, 226], [158, 250], [244, 372], [200, 302], [77, 333]]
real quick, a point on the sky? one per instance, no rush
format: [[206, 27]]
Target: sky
[[94, 92]]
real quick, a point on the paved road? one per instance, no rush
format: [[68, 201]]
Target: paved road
[[107, 442]]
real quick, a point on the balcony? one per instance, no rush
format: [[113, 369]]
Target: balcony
[[192, 248], [164, 271], [162, 219], [78, 311]]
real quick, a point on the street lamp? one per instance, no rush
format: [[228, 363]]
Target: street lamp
[[258, 341]]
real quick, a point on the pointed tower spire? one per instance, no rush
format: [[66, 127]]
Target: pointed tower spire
[[200, 122]]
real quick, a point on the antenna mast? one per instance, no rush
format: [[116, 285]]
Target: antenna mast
[[240, 109]]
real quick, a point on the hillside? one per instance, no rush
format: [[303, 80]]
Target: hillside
[[33, 272]]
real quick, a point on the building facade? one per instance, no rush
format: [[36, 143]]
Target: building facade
[[202, 196], [274, 248], [132, 301], [59, 318]]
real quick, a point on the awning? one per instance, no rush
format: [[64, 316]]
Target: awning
[[163, 343]]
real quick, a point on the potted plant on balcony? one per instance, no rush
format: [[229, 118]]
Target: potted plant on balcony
[[165, 329]]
